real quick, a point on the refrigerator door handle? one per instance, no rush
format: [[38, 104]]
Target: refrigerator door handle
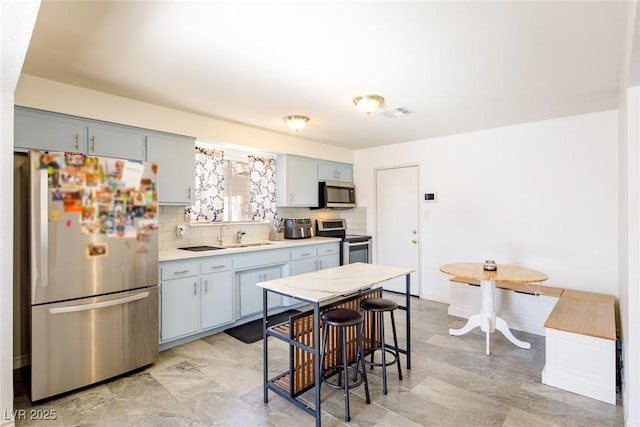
[[85, 307]]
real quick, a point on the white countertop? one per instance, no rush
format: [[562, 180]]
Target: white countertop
[[181, 254], [330, 283]]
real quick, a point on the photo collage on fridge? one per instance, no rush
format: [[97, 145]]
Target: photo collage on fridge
[[112, 197]]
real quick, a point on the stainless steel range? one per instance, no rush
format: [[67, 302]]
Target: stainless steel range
[[355, 247]]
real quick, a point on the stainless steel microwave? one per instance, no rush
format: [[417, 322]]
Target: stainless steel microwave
[[336, 195]]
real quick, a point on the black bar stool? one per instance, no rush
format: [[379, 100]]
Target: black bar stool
[[342, 319], [378, 306]]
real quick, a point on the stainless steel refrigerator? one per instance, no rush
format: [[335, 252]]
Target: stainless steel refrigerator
[[93, 269]]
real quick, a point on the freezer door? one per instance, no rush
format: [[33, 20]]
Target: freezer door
[[80, 342], [91, 236]]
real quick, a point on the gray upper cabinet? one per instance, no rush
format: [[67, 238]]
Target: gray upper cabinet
[[41, 130], [334, 171], [296, 181], [116, 141], [48, 132], [175, 156]]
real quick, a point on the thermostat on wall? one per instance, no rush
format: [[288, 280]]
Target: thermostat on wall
[[430, 197]]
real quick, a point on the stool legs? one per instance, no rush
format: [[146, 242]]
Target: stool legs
[[377, 319], [395, 343], [343, 367]]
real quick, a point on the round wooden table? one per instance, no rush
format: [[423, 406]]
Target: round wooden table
[[487, 319]]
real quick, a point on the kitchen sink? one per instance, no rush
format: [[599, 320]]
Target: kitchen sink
[[247, 245], [202, 248]]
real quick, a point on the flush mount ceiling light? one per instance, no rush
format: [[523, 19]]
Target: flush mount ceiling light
[[368, 103], [296, 122]]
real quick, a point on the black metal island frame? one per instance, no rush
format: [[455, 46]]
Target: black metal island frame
[[338, 287]]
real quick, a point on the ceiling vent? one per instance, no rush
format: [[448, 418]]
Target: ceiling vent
[[396, 112]]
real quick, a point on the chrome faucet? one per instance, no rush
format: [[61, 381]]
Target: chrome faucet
[[220, 239], [239, 235]]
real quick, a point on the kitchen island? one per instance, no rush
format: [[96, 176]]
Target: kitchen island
[[324, 289]]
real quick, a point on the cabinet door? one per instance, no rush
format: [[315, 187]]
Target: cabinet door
[[179, 307], [251, 294], [216, 303], [175, 157], [48, 132], [116, 141], [327, 172], [303, 266], [333, 171], [344, 172], [297, 181], [328, 261]]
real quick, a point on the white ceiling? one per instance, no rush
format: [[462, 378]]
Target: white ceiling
[[459, 66]]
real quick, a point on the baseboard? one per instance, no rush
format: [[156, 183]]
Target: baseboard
[[21, 361]]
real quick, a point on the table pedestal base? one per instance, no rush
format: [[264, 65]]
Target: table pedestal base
[[487, 319]]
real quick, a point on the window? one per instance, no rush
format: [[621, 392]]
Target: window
[[233, 186]]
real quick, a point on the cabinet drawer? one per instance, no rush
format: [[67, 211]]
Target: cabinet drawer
[[304, 252], [259, 258], [331, 249], [217, 264], [175, 271]]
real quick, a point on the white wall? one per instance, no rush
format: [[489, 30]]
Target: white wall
[[630, 251], [49, 95], [541, 195], [17, 19]]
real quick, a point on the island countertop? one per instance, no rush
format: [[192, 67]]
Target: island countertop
[[324, 285]]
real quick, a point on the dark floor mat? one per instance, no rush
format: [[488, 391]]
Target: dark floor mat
[[252, 331]]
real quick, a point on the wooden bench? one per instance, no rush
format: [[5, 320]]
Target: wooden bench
[[580, 333], [581, 345]]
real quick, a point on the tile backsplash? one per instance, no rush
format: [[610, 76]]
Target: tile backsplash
[[172, 216]]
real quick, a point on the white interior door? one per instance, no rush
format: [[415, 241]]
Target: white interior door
[[397, 221]]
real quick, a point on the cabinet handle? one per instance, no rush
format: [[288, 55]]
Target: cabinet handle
[[305, 254], [189, 193], [329, 251], [93, 143], [320, 262], [77, 141], [180, 272], [195, 289], [213, 267], [206, 286]]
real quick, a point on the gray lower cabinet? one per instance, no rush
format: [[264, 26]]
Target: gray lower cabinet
[[314, 258], [328, 256], [179, 289], [210, 293], [195, 296], [251, 295], [216, 302]]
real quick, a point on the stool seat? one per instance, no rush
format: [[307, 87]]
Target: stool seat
[[378, 304], [342, 317]]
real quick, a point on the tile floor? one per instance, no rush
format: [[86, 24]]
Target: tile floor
[[218, 381]]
